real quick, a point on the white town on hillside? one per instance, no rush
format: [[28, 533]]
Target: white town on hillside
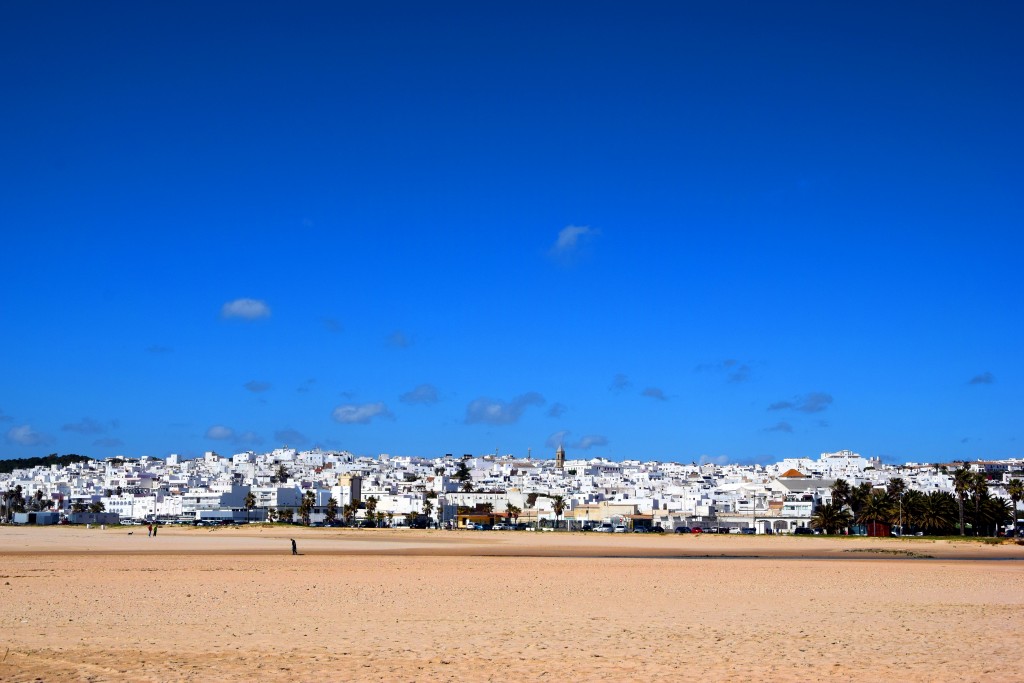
[[488, 491]]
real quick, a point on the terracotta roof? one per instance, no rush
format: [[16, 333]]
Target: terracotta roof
[[791, 473]]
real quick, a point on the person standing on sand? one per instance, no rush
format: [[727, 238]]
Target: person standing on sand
[[155, 528], [150, 529], [295, 548]]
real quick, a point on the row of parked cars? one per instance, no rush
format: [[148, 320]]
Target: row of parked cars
[[714, 530]]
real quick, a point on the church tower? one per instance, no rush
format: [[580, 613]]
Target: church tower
[[560, 457]]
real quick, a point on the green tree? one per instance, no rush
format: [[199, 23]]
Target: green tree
[[993, 513], [286, 515], [858, 497], [840, 492], [331, 513], [250, 504], [896, 487], [979, 492], [306, 506], [963, 479], [938, 513], [371, 508], [1015, 489], [831, 517], [467, 486], [272, 515], [558, 505], [877, 508], [512, 511], [462, 472], [97, 507], [428, 507], [282, 473]]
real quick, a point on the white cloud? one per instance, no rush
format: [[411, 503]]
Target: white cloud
[[557, 439], [363, 413], [620, 383], [256, 386], [220, 432], [398, 340], [247, 309], [655, 393], [249, 438], [587, 442], [591, 440], [24, 435], [496, 412], [86, 426], [424, 393], [570, 238], [290, 436]]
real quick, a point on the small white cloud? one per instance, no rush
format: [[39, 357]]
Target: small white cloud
[[557, 439], [570, 238], [247, 309], [496, 412], [220, 432], [591, 440], [24, 435], [290, 436], [655, 393], [86, 426], [425, 394], [257, 386], [398, 340], [249, 438], [363, 413], [557, 410]]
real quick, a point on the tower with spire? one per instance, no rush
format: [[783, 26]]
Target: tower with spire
[[560, 457]]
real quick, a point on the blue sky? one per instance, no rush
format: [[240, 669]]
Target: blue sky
[[676, 231]]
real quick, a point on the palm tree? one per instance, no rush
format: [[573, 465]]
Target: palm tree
[[97, 507], [512, 511], [913, 503], [831, 517], [878, 508], [558, 506], [371, 507], [995, 512], [282, 473], [272, 515], [979, 492], [250, 503], [962, 480], [896, 487], [306, 506], [467, 486], [331, 513], [1015, 489], [938, 512], [428, 508], [840, 492], [858, 497]]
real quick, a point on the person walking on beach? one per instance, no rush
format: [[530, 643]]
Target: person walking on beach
[[295, 548], [150, 529], [155, 527]]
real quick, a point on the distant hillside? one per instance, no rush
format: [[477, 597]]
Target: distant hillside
[[7, 466]]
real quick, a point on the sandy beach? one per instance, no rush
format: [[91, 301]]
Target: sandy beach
[[399, 605]]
